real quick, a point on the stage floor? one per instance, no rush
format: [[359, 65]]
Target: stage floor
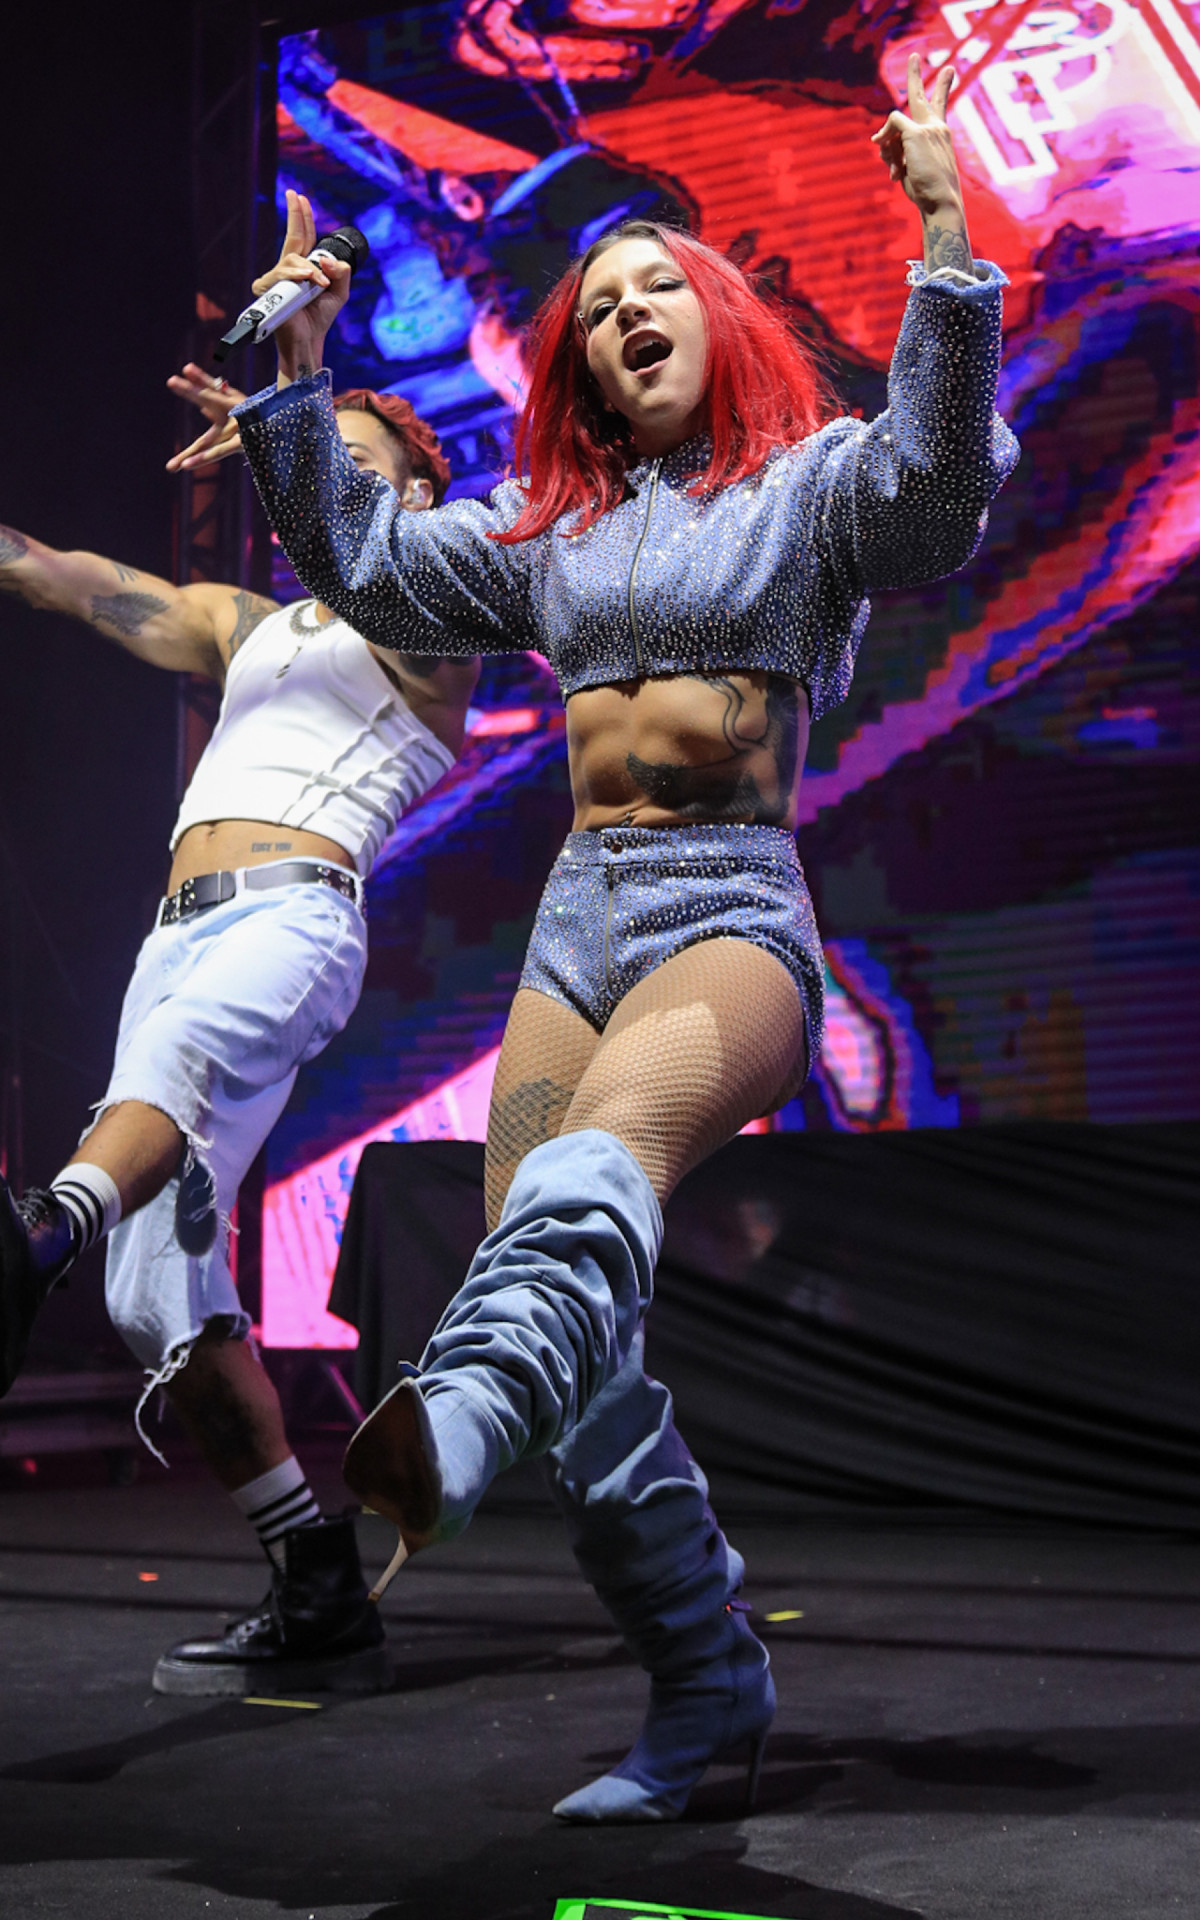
[[976, 1719]]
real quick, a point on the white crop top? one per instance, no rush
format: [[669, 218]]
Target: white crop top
[[313, 735]]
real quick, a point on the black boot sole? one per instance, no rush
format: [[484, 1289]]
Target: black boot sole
[[370, 1671]]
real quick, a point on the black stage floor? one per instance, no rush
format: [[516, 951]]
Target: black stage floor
[[977, 1719]]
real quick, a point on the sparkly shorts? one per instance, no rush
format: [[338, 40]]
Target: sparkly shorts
[[622, 900]]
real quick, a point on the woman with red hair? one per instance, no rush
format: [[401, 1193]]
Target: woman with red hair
[[691, 543]]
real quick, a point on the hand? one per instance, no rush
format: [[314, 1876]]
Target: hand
[[216, 400], [301, 341], [916, 147]]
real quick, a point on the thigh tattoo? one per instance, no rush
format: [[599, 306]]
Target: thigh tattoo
[[520, 1120], [533, 1112]]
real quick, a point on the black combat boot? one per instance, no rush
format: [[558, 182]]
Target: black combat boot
[[316, 1631], [37, 1245]]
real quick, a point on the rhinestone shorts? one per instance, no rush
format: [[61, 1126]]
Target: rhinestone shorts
[[622, 900]]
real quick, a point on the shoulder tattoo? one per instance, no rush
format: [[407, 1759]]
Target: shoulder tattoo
[[249, 611]]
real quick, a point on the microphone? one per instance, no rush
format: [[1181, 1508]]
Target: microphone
[[287, 297]]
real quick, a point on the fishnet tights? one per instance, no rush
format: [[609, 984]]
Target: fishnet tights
[[711, 1039]]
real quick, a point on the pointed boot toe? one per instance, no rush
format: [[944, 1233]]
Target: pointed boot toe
[[616, 1802], [719, 1710]]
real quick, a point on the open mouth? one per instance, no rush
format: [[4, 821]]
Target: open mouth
[[649, 351]]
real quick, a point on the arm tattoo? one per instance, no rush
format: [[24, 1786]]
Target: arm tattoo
[[126, 613], [13, 546], [250, 610], [123, 572], [730, 788], [945, 247]]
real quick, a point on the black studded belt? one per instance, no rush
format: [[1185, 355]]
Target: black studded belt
[[213, 889]]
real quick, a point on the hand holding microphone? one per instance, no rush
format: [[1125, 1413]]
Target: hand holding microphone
[[312, 286], [302, 296]]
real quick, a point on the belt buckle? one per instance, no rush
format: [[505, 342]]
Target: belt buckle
[[178, 905], [337, 878]]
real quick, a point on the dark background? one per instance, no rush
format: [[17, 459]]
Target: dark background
[[95, 164]]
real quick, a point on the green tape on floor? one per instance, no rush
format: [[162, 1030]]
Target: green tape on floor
[[641, 1910]]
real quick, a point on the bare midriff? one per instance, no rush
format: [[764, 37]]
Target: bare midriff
[[678, 749], [216, 846]]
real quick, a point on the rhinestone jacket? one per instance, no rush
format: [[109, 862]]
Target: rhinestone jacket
[[773, 572]]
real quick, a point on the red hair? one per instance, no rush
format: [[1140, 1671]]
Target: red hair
[[421, 447], [762, 385]]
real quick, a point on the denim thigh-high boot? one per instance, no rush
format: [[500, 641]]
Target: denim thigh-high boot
[[637, 1513], [542, 1322]]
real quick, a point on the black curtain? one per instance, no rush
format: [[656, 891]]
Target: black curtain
[[1003, 1316]]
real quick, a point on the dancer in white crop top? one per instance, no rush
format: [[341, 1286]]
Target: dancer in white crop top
[[255, 962], [315, 735]]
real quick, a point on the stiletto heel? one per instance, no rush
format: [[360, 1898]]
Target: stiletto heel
[[390, 1571], [758, 1747], [389, 1465]]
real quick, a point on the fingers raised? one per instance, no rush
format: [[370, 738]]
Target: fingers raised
[[924, 106], [941, 91], [310, 225], [301, 234], [916, 88]]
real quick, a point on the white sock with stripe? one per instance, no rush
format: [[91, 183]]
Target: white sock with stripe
[[90, 1197], [276, 1502]]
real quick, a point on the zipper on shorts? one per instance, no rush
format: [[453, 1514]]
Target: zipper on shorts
[[638, 656], [611, 881]]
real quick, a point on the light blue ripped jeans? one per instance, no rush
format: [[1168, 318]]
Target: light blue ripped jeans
[[222, 1011]]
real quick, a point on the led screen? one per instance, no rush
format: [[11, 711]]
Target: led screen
[[997, 824]]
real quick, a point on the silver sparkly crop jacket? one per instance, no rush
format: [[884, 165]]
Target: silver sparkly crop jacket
[[772, 572]]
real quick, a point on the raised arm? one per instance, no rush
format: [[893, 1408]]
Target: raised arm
[[188, 629], [420, 583], [906, 495], [429, 582]]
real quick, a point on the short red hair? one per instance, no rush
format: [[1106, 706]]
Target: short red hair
[[763, 387], [421, 447]]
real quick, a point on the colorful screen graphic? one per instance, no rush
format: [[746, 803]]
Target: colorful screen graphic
[[997, 825]]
